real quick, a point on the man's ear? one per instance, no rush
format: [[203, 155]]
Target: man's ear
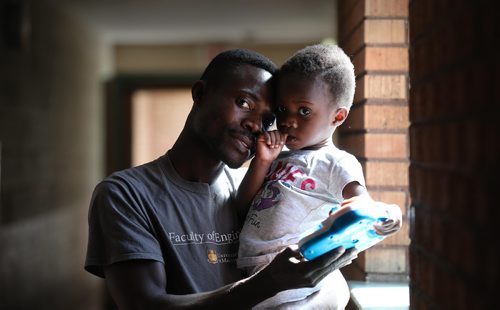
[[340, 115], [197, 91]]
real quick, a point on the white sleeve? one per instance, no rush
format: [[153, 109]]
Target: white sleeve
[[346, 170]]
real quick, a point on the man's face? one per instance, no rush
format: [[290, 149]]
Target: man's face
[[233, 112]]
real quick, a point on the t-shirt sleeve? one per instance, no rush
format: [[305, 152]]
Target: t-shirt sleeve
[[119, 229], [347, 170]]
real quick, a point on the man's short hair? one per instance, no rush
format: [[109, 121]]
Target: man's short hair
[[331, 64], [231, 59]]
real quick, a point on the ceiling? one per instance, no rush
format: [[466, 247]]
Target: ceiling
[[189, 21]]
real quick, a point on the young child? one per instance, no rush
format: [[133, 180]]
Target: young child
[[295, 192]]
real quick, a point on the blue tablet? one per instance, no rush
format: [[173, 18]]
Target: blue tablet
[[348, 227]]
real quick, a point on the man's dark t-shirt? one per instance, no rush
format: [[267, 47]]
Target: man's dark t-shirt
[[150, 212]]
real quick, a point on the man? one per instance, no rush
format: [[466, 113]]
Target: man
[[164, 234]]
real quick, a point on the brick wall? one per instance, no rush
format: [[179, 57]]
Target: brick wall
[[455, 152], [374, 33]]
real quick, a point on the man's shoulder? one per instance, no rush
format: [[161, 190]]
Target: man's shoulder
[[129, 186], [143, 175]]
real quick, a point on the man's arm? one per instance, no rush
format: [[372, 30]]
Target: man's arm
[[141, 284], [268, 147]]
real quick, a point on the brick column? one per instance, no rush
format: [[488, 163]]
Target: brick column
[[455, 152], [374, 33]]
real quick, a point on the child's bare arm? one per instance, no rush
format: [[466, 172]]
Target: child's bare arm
[[268, 147], [354, 193]]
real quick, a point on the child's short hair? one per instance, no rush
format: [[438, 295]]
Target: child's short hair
[[330, 63], [233, 58]]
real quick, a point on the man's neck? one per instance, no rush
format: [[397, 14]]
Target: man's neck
[[193, 162]]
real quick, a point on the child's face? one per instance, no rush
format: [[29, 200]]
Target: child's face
[[305, 111]]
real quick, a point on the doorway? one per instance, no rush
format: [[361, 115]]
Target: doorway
[[144, 116], [158, 116]]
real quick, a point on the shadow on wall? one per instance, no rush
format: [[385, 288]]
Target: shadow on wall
[[51, 157]]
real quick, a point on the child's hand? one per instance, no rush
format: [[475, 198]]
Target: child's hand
[[394, 220], [269, 145]]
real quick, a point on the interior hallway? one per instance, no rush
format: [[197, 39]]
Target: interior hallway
[[54, 146]]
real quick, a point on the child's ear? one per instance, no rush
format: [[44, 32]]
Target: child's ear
[[340, 115], [197, 91]]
